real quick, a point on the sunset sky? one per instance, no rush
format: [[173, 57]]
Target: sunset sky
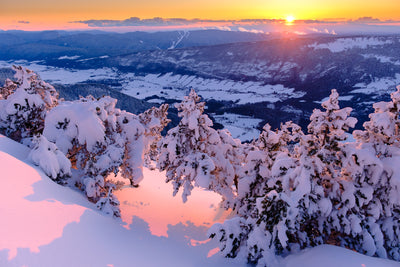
[[50, 14]]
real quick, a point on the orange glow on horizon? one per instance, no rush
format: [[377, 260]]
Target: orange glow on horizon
[[46, 15]]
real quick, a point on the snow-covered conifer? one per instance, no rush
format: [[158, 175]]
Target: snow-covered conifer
[[100, 139], [24, 104], [154, 121], [260, 178], [194, 154], [87, 132], [53, 162], [287, 192], [258, 163], [8, 88], [371, 203]]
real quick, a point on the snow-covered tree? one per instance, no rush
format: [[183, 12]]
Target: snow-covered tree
[[154, 121], [97, 138], [87, 132], [8, 88], [259, 161], [370, 204], [53, 162], [245, 234], [141, 134], [24, 104], [287, 193], [100, 139], [195, 154]]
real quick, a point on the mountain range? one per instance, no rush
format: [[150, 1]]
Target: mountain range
[[272, 78]]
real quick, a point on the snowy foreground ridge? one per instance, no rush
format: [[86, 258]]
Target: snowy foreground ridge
[[289, 190], [44, 225]]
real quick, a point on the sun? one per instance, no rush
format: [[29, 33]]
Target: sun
[[290, 19]]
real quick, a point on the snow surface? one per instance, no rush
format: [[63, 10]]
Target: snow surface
[[378, 86], [343, 44], [69, 57], [170, 86], [240, 126], [157, 88], [341, 98], [383, 59], [56, 75], [182, 35], [44, 225]]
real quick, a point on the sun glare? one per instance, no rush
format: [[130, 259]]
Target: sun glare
[[290, 19]]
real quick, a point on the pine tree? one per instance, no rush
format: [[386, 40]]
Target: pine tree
[[87, 132], [373, 199], [194, 154], [52, 161], [100, 140], [24, 104], [257, 200], [288, 191], [154, 121]]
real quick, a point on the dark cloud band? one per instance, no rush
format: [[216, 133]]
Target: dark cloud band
[[160, 22]]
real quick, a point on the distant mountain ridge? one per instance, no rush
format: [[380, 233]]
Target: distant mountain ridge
[[363, 69], [50, 45]]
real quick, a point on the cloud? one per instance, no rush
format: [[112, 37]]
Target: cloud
[[181, 22], [367, 20], [327, 21], [223, 28], [23, 22], [325, 31], [241, 29], [157, 21], [371, 20], [331, 26]]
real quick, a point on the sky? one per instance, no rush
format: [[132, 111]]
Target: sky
[[50, 14]]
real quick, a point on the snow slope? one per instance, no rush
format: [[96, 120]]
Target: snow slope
[[44, 224]]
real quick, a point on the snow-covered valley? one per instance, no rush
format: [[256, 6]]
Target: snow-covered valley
[[274, 80]]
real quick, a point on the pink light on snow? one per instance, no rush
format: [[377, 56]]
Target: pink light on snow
[[42, 222], [153, 202]]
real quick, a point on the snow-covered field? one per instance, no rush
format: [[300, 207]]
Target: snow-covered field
[[343, 44], [240, 126], [44, 224], [383, 59], [55, 75], [167, 86], [171, 86], [378, 86]]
